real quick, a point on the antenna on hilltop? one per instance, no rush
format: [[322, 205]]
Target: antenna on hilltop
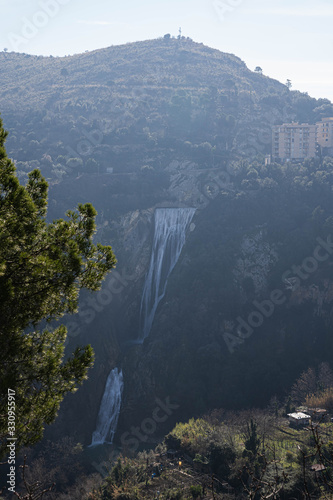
[[180, 34]]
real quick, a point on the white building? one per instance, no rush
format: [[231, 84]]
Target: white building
[[299, 419]]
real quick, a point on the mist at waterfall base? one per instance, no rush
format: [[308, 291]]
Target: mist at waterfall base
[[108, 415], [169, 237]]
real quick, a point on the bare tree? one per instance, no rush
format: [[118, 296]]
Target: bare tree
[[33, 491], [325, 376], [264, 481], [305, 385]]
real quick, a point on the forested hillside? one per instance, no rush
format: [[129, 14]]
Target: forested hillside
[[140, 105], [172, 124]]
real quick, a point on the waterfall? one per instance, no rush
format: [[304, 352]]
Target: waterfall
[[107, 419], [169, 238]]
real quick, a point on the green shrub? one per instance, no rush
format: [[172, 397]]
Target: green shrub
[[174, 495], [196, 491]]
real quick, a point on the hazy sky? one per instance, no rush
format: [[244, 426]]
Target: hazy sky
[[287, 38]]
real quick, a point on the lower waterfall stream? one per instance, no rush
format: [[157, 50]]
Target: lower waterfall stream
[[108, 415]]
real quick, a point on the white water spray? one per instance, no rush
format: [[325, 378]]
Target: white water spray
[[169, 238], [108, 415]]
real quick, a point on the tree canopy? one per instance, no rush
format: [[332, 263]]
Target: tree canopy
[[43, 266]]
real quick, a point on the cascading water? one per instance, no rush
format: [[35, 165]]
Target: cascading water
[[169, 238], [108, 415]]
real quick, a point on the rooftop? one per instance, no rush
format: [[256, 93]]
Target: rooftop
[[299, 415]]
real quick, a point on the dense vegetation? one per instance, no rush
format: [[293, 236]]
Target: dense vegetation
[[252, 454], [258, 229], [136, 106], [136, 109], [42, 268], [171, 123]]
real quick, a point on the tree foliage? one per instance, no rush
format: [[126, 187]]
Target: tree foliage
[[43, 266], [252, 440]]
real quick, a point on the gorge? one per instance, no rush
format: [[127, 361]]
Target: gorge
[[164, 121]]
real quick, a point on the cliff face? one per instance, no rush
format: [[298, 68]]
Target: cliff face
[[218, 339], [175, 124]]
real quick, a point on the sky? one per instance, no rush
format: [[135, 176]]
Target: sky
[[288, 39]]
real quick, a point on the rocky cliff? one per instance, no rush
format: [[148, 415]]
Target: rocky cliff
[[174, 124]]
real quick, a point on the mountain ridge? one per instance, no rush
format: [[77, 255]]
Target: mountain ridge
[[193, 133]]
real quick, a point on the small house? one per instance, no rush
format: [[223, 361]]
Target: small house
[[318, 470], [318, 414], [299, 419]]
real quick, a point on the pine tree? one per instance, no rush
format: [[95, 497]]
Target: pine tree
[[43, 266]]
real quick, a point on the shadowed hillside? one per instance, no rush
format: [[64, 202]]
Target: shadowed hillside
[[174, 124]]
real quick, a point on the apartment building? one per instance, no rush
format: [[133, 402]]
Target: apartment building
[[294, 141], [324, 131]]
